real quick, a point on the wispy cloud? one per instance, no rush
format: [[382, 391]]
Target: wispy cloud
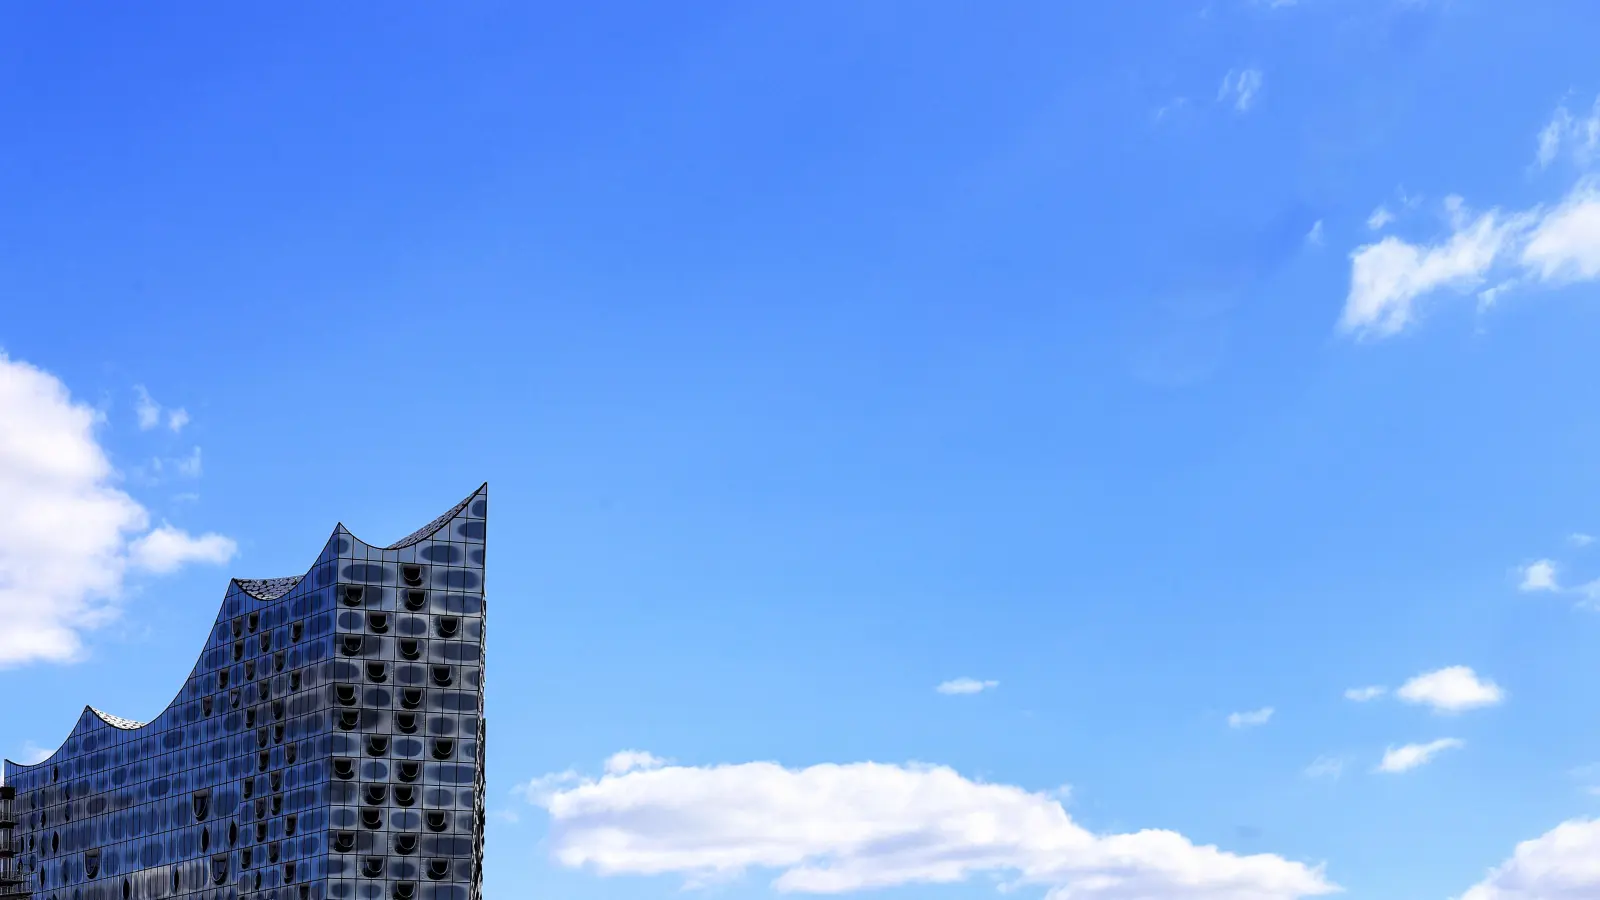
[[966, 686], [1579, 539], [1314, 236], [1250, 719], [1451, 690], [1410, 756], [1489, 253], [1364, 694], [1379, 218], [1578, 135], [1240, 87], [151, 413], [189, 466], [1325, 767]]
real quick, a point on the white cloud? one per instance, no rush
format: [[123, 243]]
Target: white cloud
[[1579, 539], [1564, 246], [966, 686], [1579, 134], [1240, 87], [167, 549], [1386, 278], [1325, 767], [33, 754], [632, 761], [1539, 575], [1410, 756], [831, 829], [66, 532], [1561, 864], [1379, 218], [1537, 247], [1314, 236], [1250, 719], [1363, 694], [176, 419], [1450, 690]]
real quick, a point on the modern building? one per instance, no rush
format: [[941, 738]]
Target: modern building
[[329, 744]]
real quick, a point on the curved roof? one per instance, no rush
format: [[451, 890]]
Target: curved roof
[[428, 530], [116, 721], [264, 589]]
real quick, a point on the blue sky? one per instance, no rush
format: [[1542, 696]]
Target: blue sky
[[1166, 370]]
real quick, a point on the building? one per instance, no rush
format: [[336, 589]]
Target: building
[[328, 744]]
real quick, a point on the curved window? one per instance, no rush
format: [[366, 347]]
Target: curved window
[[406, 722], [377, 744], [91, 863], [378, 622], [297, 631], [372, 867], [344, 841], [375, 794], [443, 676], [202, 805], [416, 601], [448, 626], [372, 819], [222, 680], [406, 844], [254, 622], [411, 698], [443, 748], [410, 771], [219, 869], [351, 644], [344, 769], [405, 795], [290, 822], [238, 650], [438, 820], [349, 719], [345, 694], [377, 672], [405, 890], [353, 594], [438, 868], [412, 574], [410, 648], [266, 641]]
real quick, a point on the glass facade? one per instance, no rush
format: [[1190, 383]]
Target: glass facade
[[328, 744]]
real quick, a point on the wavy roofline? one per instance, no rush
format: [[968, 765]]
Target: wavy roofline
[[118, 722], [425, 532]]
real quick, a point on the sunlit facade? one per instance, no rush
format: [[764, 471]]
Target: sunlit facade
[[328, 744]]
